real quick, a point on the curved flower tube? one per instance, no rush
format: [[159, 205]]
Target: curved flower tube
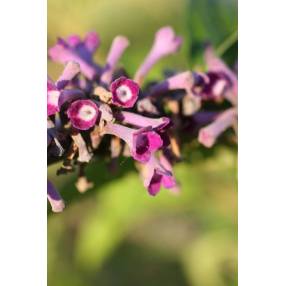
[[209, 134], [155, 175], [184, 80], [142, 121], [165, 43], [142, 143], [118, 46]]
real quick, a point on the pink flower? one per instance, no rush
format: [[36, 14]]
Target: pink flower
[[223, 79], [155, 175], [124, 92], [54, 89], [118, 46], [209, 134], [179, 81], [143, 121], [74, 49], [142, 143], [165, 43], [83, 114]]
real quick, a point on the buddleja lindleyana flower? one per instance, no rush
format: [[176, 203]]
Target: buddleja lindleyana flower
[[83, 114], [124, 92]]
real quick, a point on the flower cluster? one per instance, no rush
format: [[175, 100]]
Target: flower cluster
[[89, 102]]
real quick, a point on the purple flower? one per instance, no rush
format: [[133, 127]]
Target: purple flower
[[165, 43], [179, 81], [124, 92], [83, 114], [118, 46], [55, 198], [54, 89], [170, 181], [222, 80], [74, 49], [143, 121], [209, 134], [155, 175], [142, 143], [53, 98]]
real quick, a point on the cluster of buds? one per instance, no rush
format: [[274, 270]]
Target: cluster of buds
[[90, 102]]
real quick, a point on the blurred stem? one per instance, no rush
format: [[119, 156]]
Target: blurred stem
[[227, 43]]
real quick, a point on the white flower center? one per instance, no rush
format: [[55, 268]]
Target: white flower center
[[87, 112], [53, 97], [124, 93]]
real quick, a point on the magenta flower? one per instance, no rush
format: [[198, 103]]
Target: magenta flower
[[142, 143], [165, 43], [118, 46], [55, 198], [209, 134], [74, 49], [155, 175], [124, 92], [169, 181], [52, 98], [83, 114], [54, 89]]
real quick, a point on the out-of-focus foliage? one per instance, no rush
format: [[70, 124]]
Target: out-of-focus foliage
[[116, 234]]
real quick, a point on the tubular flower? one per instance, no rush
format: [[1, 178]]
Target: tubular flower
[[54, 89], [74, 49], [142, 143], [118, 46], [155, 175], [124, 92], [209, 134], [143, 121], [83, 114], [221, 81], [165, 43]]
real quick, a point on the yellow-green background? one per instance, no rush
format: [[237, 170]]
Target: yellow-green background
[[116, 234]]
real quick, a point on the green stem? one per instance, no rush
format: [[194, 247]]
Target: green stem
[[227, 43]]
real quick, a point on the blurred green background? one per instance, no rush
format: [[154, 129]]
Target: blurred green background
[[115, 234]]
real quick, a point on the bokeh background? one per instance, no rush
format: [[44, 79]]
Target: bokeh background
[[115, 234]]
